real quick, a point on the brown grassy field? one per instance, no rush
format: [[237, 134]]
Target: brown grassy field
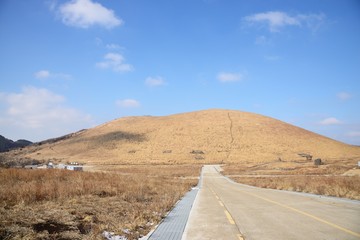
[[61, 204], [211, 136], [336, 186], [338, 178]]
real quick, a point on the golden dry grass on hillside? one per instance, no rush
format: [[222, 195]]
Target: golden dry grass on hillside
[[61, 204], [223, 136]]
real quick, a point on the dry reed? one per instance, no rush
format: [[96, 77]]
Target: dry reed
[[54, 204]]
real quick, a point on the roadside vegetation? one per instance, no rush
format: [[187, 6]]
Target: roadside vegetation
[[60, 204], [338, 178], [337, 186]]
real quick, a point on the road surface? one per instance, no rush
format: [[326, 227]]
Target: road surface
[[227, 210]]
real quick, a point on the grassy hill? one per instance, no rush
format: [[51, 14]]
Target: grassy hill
[[210, 136]]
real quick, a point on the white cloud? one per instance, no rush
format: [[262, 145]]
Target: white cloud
[[116, 62], [42, 74], [128, 103], [154, 81], [330, 121], [39, 113], [45, 74], [109, 46], [275, 20], [343, 96], [229, 77], [85, 13]]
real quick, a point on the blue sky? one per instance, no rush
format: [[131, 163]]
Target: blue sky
[[74, 64]]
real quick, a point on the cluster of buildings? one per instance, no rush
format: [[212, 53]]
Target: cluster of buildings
[[72, 166]]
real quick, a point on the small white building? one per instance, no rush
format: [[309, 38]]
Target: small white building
[[74, 168]]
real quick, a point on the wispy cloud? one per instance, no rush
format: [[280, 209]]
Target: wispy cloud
[[109, 46], [229, 77], [276, 20], [353, 134], [127, 103], [42, 74], [98, 41], [116, 62], [86, 13], [40, 112], [154, 81], [343, 96], [52, 4], [113, 46], [46, 74], [330, 121]]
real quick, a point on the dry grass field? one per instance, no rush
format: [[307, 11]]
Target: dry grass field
[[61, 204], [336, 186], [338, 178]]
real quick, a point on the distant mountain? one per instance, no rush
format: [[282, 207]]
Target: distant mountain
[[210, 136], [7, 144]]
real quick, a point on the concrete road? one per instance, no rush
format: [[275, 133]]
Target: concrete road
[[227, 210]]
